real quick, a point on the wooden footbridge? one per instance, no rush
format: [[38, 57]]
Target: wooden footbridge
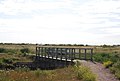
[[64, 53], [51, 57]]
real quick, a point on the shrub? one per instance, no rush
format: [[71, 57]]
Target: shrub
[[1, 62], [2, 50], [39, 73], [25, 50], [117, 65], [22, 69], [89, 77], [7, 60], [116, 69], [104, 57], [107, 64], [83, 73], [117, 74]]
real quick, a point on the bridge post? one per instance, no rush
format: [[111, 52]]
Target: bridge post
[[69, 53], [36, 58], [52, 53], [66, 55], [39, 52], [56, 53], [48, 52], [72, 55], [74, 52], [91, 54], [42, 51], [79, 53], [61, 54], [45, 50], [85, 53]]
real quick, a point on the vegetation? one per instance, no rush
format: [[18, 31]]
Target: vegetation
[[2, 50], [17, 48], [71, 73], [84, 73], [111, 61], [11, 53], [67, 73]]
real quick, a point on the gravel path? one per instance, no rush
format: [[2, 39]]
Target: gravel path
[[102, 73]]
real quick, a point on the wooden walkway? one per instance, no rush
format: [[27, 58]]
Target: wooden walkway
[[64, 53], [51, 57]]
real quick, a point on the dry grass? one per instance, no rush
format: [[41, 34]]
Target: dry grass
[[18, 47], [64, 74], [107, 49], [97, 49]]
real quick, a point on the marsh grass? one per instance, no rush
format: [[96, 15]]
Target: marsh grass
[[62, 74], [84, 73]]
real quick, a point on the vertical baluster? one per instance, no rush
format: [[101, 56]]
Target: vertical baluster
[[56, 53], [61, 53], [85, 54], [91, 54], [79, 53]]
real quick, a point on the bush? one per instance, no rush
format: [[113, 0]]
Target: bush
[[83, 73], [22, 69], [2, 50], [115, 69], [107, 64], [117, 65], [1, 61], [7, 60], [25, 50], [117, 74], [89, 77], [39, 73], [104, 57]]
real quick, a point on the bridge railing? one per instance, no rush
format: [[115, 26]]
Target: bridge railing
[[64, 53]]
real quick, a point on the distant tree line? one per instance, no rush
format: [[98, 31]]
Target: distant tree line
[[63, 45], [14, 51], [16, 44]]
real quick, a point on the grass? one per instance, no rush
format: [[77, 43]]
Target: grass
[[84, 73], [15, 49], [25, 74], [70, 73], [64, 74]]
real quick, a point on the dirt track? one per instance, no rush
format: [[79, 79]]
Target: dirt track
[[102, 73]]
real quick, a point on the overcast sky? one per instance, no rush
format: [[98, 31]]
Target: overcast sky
[[60, 21]]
